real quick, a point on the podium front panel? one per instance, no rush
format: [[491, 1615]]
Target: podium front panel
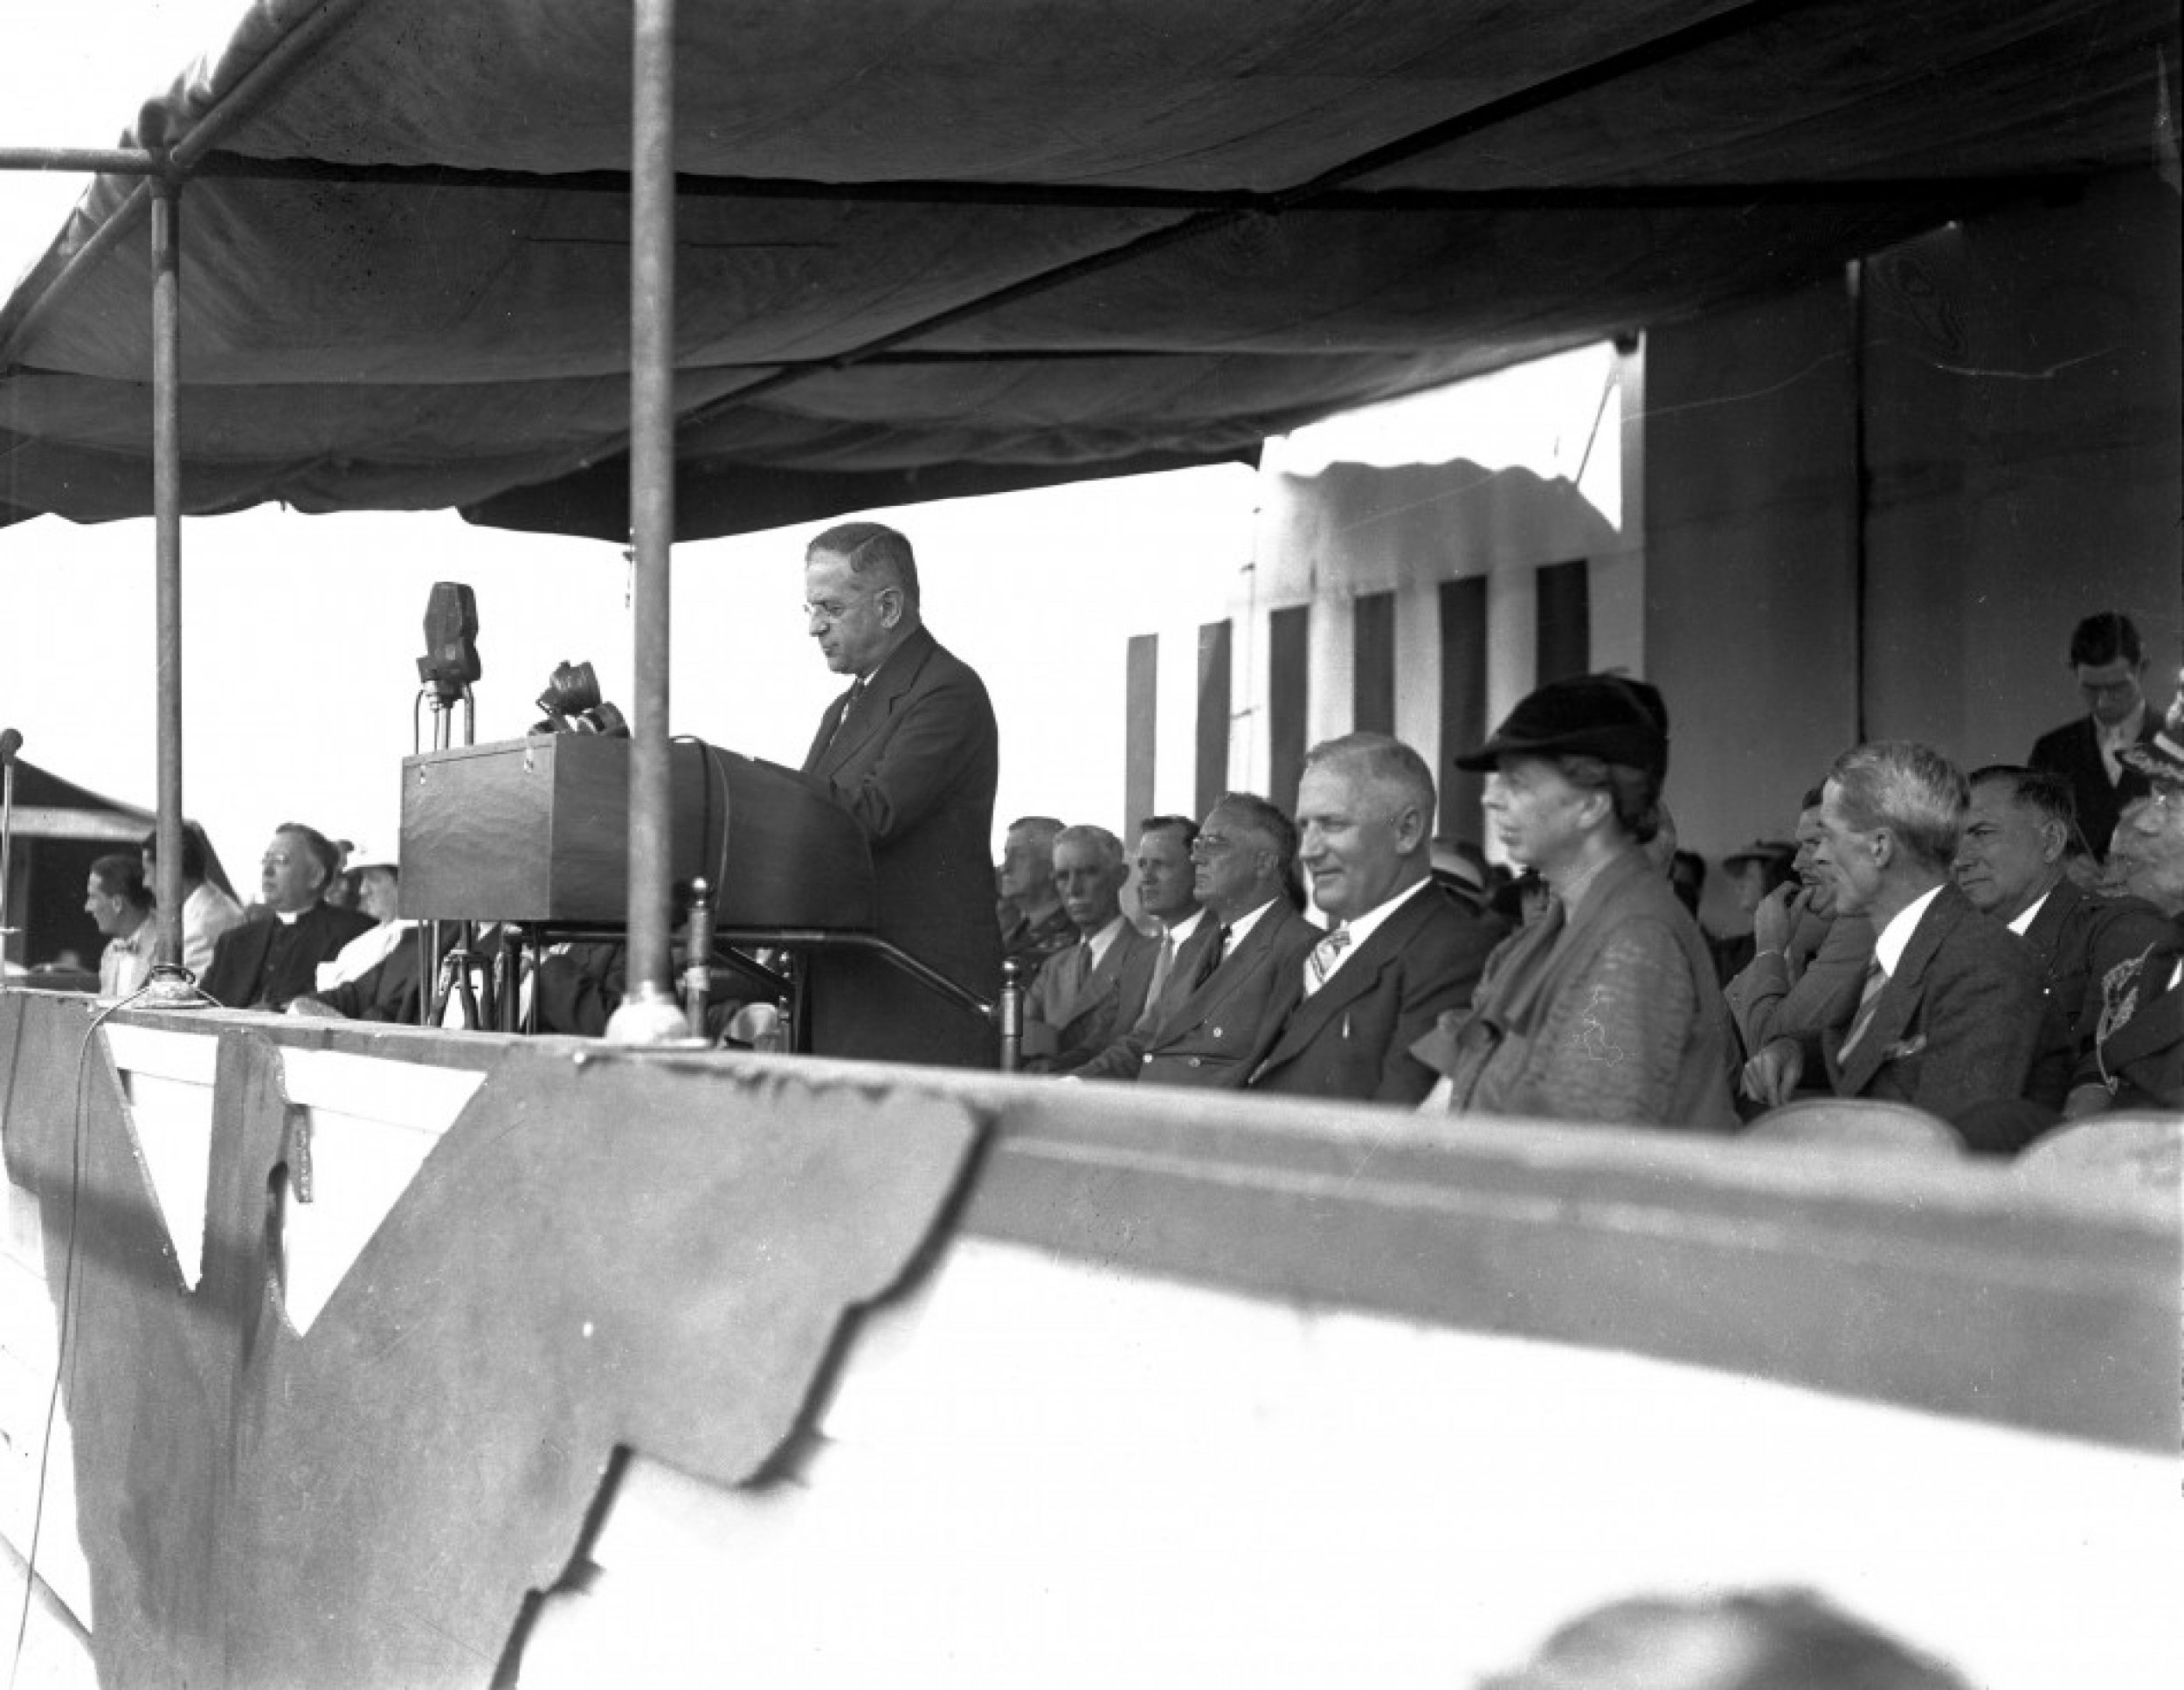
[[537, 830]]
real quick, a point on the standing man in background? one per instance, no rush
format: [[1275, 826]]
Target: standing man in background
[[2108, 660], [912, 753]]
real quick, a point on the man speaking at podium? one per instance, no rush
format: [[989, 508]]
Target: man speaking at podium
[[911, 752]]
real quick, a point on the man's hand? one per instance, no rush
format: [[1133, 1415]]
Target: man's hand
[[1771, 1078], [2088, 1099], [312, 1008], [1776, 918]]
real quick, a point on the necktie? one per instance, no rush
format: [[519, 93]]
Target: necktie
[[1163, 965], [1876, 978], [1080, 968], [1326, 955], [1212, 960], [849, 709]]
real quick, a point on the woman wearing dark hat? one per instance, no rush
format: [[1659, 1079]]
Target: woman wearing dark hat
[[1606, 1009]]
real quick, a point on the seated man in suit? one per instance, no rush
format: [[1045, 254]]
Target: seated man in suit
[[1950, 1013], [1399, 953], [116, 897], [1034, 924], [1240, 966], [1168, 896], [2107, 660], [262, 965], [2010, 865], [1087, 994], [1809, 963]]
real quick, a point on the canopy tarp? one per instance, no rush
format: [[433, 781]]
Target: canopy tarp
[[929, 248], [47, 806]]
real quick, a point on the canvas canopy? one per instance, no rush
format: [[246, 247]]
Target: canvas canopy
[[928, 249]]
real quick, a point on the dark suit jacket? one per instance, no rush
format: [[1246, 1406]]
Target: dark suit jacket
[[1064, 1028], [2077, 938], [262, 964], [916, 765], [2075, 750], [2141, 1061], [1956, 1024], [1210, 1031], [1352, 1037]]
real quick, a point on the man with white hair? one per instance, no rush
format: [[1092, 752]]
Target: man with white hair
[[2137, 1059], [1950, 1011], [1087, 994], [1399, 953]]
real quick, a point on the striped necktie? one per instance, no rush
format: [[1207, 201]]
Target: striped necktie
[[1876, 978], [1326, 955]]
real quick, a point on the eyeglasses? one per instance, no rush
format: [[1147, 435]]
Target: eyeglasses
[[1213, 844], [832, 610]]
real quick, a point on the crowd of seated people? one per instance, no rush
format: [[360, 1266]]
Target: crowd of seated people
[[1947, 941], [1961, 944]]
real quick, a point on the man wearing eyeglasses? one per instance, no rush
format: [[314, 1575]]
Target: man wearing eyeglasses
[[912, 753], [2108, 660], [1231, 975], [263, 963]]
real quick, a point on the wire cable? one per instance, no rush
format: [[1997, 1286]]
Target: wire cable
[[65, 1357]]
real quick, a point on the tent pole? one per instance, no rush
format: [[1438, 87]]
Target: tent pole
[[649, 1014], [167, 519]]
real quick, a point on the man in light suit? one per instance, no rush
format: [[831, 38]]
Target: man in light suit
[[1950, 1013], [1087, 994], [2107, 660], [1399, 953], [912, 753], [1237, 971]]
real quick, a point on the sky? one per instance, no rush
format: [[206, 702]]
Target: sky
[[301, 633]]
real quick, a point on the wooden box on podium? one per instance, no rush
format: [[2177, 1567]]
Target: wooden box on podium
[[537, 830]]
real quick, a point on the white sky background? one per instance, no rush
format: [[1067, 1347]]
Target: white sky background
[[301, 633]]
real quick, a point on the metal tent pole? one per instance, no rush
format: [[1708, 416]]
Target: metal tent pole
[[649, 1014], [167, 519]]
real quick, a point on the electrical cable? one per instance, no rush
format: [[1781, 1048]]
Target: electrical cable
[[65, 1357]]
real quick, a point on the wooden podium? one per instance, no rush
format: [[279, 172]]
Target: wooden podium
[[536, 830]]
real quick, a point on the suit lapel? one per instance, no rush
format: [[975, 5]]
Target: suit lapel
[[1349, 982], [1903, 993], [895, 677], [2045, 935], [1236, 968], [1177, 991]]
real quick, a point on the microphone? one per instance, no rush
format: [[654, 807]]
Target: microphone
[[10, 743]]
